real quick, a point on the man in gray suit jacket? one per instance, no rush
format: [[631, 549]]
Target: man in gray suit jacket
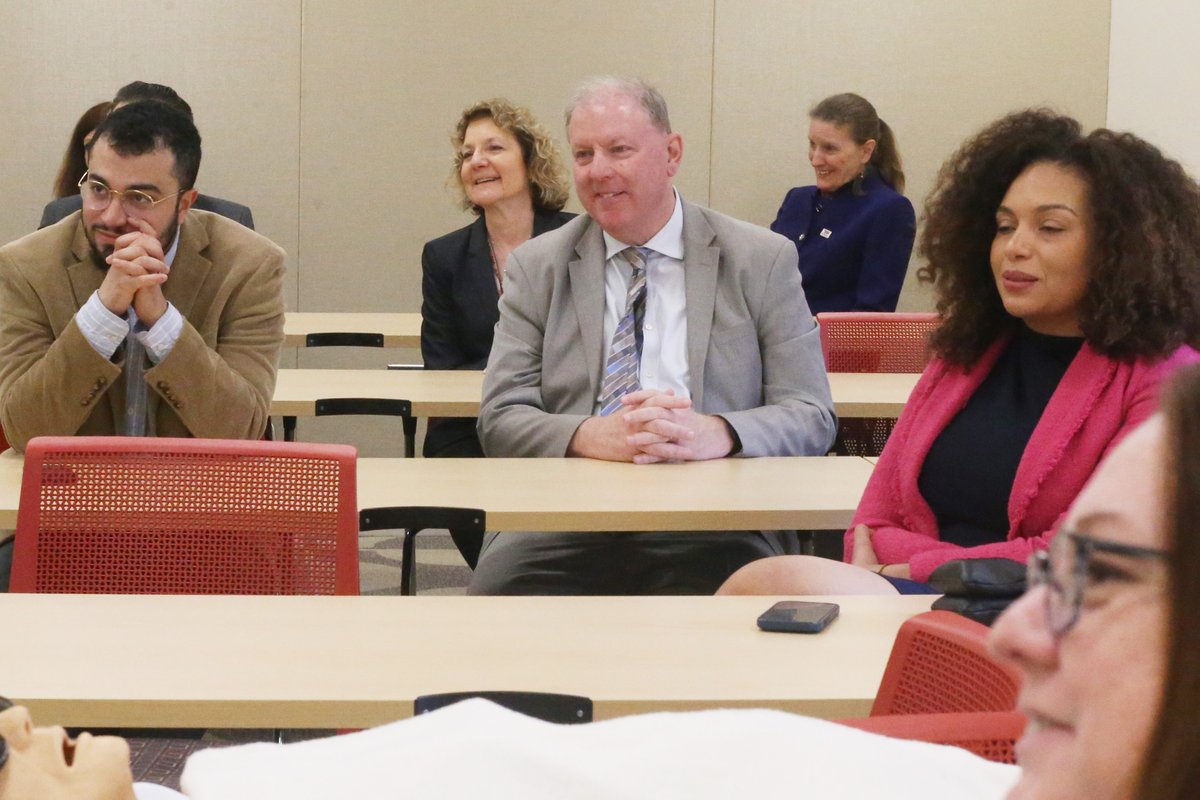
[[728, 356]]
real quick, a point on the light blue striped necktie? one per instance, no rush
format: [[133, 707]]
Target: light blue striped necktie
[[624, 357]]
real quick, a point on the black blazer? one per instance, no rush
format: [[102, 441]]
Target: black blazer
[[459, 312], [63, 206]]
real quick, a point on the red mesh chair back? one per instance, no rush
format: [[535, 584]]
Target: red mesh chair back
[[989, 734], [186, 516], [940, 664], [871, 341]]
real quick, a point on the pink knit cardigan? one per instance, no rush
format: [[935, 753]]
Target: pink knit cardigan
[[1097, 402]]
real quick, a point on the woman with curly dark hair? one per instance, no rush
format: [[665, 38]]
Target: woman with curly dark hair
[[1067, 268], [508, 172]]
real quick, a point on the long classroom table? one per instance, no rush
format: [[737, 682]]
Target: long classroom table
[[328, 662], [577, 494], [398, 329], [456, 393]]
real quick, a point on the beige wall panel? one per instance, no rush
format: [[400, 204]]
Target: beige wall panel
[[384, 83], [1153, 81], [238, 66], [936, 70]]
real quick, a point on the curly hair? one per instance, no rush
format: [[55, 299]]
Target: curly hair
[[543, 163], [1143, 292]]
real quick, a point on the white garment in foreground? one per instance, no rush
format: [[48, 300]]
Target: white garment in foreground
[[478, 749], [152, 791]]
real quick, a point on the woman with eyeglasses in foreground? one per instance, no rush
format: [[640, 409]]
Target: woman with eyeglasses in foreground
[[1107, 634], [1106, 639], [1067, 270]]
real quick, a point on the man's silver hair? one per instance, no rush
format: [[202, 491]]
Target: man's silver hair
[[646, 95]]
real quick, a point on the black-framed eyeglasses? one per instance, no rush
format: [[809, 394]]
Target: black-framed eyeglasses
[[97, 196], [1068, 571]]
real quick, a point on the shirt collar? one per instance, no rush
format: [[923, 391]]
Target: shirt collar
[[668, 241], [169, 256]]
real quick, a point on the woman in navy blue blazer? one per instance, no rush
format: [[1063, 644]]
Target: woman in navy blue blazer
[[854, 229], [509, 173]]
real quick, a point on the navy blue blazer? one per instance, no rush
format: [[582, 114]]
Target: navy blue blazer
[[853, 248], [458, 315]]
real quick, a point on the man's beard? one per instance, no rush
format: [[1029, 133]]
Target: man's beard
[[165, 240]]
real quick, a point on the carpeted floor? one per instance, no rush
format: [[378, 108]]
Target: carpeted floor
[[440, 568]]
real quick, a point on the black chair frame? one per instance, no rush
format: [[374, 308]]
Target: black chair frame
[[466, 526], [353, 405], [565, 709]]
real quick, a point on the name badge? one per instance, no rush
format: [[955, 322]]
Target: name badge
[[826, 233]]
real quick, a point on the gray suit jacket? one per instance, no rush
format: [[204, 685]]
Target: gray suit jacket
[[64, 206], [754, 351]]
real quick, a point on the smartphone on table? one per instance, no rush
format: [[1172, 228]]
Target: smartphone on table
[[798, 616]]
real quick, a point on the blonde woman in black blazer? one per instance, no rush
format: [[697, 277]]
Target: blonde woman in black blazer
[[509, 173]]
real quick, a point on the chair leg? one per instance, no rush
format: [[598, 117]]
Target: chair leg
[[410, 437], [289, 429], [408, 562]]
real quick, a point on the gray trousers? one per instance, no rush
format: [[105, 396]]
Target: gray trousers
[[619, 563]]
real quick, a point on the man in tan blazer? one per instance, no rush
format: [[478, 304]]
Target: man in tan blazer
[[728, 356], [134, 316]]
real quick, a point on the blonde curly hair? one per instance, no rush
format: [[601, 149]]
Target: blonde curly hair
[[543, 163]]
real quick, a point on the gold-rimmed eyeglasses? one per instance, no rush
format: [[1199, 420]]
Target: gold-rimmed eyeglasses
[[97, 196], [1070, 570]]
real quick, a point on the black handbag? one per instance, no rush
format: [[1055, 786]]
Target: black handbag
[[978, 588]]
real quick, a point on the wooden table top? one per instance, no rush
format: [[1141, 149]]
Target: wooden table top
[[456, 393], [576, 494], [326, 662], [399, 329]]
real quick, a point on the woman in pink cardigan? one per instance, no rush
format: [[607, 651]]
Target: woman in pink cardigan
[[1067, 268]]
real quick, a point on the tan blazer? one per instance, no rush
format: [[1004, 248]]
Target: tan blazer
[[217, 382]]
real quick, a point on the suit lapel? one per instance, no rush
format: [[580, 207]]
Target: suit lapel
[[481, 272], [586, 274], [190, 269], [85, 277], [804, 219], [701, 262], [1081, 386], [941, 402]]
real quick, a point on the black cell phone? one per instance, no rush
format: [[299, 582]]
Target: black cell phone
[[798, 616]]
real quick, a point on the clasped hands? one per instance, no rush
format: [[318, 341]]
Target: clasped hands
[[653, 426], [137, 270]]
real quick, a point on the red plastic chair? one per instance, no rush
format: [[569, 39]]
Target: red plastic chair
[[186, 516], [940, 664], [941, 685], [873, 341], [989, 734]]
